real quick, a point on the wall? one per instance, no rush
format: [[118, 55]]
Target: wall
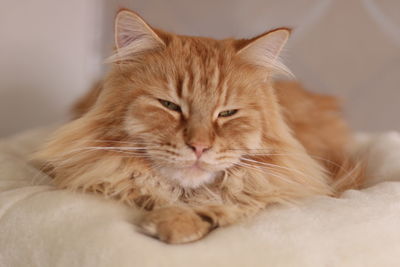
[[349, 48], [51, 50]]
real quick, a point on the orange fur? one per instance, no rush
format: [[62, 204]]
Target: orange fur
[[283, 143], [87, 101]]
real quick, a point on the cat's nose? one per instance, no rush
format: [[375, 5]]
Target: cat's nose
[[198, 148]]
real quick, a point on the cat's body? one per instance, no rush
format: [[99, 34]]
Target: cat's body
[[194, 130]]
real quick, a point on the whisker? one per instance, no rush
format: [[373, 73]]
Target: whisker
[[273, 165], [288, 154], [138, 150], [266, 172]]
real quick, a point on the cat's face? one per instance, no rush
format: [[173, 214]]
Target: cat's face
[[194, 104], [195, 114]]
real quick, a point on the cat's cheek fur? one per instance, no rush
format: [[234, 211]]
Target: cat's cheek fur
[[242, 133], [146, 118], [134, 126]]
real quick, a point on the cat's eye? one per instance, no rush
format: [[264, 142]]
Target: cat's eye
[[227, 113], [169, 105]]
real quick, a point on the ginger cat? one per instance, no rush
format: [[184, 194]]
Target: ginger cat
[[196, 132]]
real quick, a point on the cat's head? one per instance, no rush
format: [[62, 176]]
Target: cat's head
[[195, 105]]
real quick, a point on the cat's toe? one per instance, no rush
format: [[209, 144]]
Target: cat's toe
[[148, 228], [174, 225]]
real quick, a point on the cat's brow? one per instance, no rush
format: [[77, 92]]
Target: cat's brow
[[179, 85]]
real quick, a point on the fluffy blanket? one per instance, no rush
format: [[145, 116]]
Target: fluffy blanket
[[43, 226]]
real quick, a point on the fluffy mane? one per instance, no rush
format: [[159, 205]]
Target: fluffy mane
[[197, 131]]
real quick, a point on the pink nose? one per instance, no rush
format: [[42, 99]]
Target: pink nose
[[198, 149]]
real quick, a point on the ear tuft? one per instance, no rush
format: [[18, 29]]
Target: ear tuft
[[264, 50], [133, 36]]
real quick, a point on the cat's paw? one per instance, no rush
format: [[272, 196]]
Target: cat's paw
[[175, 225]]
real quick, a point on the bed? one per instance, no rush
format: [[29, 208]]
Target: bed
[[44, 226]]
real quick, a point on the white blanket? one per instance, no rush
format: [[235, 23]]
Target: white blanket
[[43, 226]]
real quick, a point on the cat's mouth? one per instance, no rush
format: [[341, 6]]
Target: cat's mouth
[[191, 176], [195, 170], [197, 166]]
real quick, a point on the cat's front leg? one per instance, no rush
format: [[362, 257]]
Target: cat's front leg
[[176, 224], [183, 224]]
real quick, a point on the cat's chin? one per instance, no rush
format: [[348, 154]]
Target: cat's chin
[[190, 177]]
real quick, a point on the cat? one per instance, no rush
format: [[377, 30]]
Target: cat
[[198, 134]]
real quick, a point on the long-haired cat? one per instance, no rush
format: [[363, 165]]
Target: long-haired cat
[[196, 132]]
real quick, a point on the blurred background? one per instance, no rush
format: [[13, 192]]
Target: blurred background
[[51, 52]]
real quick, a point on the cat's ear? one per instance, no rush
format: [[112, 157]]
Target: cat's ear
[[264, 50], [133, 36]]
